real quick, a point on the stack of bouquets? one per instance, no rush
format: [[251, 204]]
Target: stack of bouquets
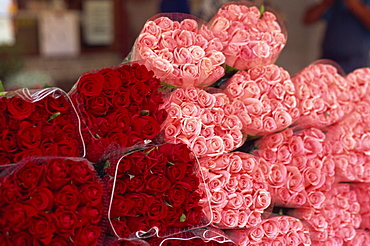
[[52, 201], [180, 52], [362, 191], [250, 36], [322, 93], [118, 106], [349, 141], [38, 123], [208, 123], [301, 169], [156, 191], [239, 191], [336, 223], [268, 98], [279, 230]]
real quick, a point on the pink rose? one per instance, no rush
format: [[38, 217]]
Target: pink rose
[[217, 58], [222, 100], [147, 40], [161, 68], [190, 109], [199, 146], [151, 28], [197, 53], [316, 199], [256, 234], [271, 228], [230, 218], [249, 162], [232, 185], [189, 75], [278, 175], [191, 94], [216, 214], [219, 198], [189, 25], [235, 90], [312, 176], [296, 145], [167, 41], [269, 124], [272, 141], [218, 115], [165, 23], [171, 131], [254, 219], [282, 118], [245, 183], [253, 106], [232, 53], [215, 145], [191, 126], [205, 99], [236, 164], [178, 96], [209, 131], [312, 146], [174, 111], [283, 154], [220, 24], [294, 179], [231, 122], [243, 218], [261, 200], [236, 201], [228, 141], [218, 179]]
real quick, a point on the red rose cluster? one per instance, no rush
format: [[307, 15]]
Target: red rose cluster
[[118, 107], [54, 201], [38, 123], [155, 188]]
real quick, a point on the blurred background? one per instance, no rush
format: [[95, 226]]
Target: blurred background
[[53, 42]]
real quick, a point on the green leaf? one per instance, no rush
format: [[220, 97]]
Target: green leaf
[[182, 218], [1, 87], [54, 116], [326, 113], [47, 86], [168, 88], [2, 93], [169, 205], [230, 69], [106, 164], [131, 175], [171, 163], [262, 9], [144, 112], [97, 135]]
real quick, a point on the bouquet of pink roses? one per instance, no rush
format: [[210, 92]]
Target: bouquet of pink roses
[[207, 123], [268, 97], [250, 37], [179, 52], [239, 191], [301, 168]]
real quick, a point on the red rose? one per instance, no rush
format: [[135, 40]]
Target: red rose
[[91, 214], [194, 216], [160, 116], [105, 124], [120, 227], [21, 238], [176, 195], [176, 172], [192, 200], [69, 148], [173, 215], [81, 172], [91, 193], [69, 132], [158, 163], [119, 188], [29, 176], [40, 115], [56, 102], [5, 159], [68, 197], [10, 191], [123, 166], [140, 201], [191, 181], [97, 105], [57, 173], [157, 211], [66, 222], [90, 84], [120, 207], [141, 73], [8, 141], [121, 98], [59, 241], [136, 224], [139, 163], [157, 184], [111, 81], [3, 121], [42, 227], [134, 108], [87, 235], [95, 148], [145, 126], [42, 199], [19, 108], [28, 135], [125, 74], [26, 154], [123, 119], [18, 216], [136, 183], [118, 137], [176, 152], [49, 148]]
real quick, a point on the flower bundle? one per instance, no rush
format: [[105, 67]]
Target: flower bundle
[[349, 141], [38, 123], [301, 169], [279, 230], [118, 106], [179, 52], [358, 84], [156, 190], [52, 201], [249, 38], [239, 191], [336, 222], [268, 96], [207, 123], [322, 95], [362, 191]]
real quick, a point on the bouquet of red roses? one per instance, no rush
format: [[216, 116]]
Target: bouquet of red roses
[[156, 191], [119, 107], [38, 123], [51, 201]]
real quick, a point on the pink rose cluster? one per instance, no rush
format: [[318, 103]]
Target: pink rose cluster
[[362, 238], [349, 141], [323, 95], [358, 82], [249, 38], [239, 191], [180, 53], [336, 222], [362, 191], [274, 231], [268, 97], [206, 122], [301, 169]]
